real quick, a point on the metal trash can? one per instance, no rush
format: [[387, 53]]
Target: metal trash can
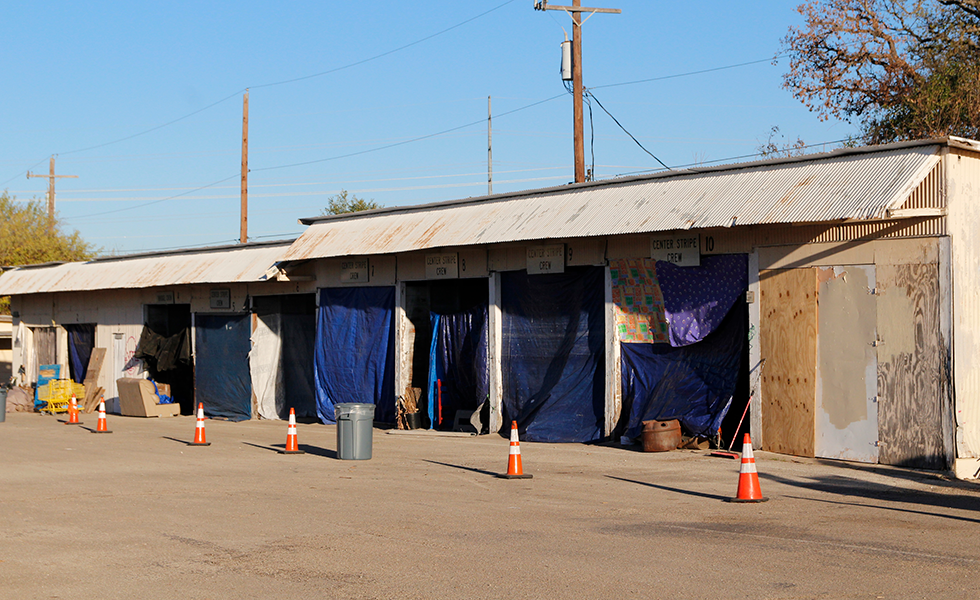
[[355, 430], [3, 403]]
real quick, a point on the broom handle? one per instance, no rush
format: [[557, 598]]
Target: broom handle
[[760, 366], [735, 435]]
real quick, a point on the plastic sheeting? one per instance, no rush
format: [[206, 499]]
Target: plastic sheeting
[[355, 350], [222, 378], [553, 354], [458, 358], [281, 364], [693, 384], [696, 299], [265, 365], [81, 341]]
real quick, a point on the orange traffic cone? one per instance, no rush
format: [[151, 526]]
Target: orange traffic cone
[[292, 444], [748, 476], [199, 437], [514, 468], [102, 427], [73, 412]]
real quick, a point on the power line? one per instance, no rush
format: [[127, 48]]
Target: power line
[[690, 73], [383, 54], [345, 181], [480, 121], [109, 212], [25, 171], [264, 85], [731, 158], [182, 247], [409, 141], [590, 94], [461, 184], [152, 129]]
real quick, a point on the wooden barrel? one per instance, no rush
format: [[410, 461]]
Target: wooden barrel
[[661, 436]]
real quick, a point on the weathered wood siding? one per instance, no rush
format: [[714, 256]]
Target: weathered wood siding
[[910, 407]]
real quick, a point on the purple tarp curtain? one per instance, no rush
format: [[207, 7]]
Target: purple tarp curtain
[[696, 299]]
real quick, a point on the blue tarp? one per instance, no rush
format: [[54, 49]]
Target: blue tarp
[[355, 350], [81, 341], [693, 384], [221, 376], [458, 357], [553, 354], [696, 299]]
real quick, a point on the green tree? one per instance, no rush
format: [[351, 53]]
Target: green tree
[[901, 69], [343, 202], [25, 238]]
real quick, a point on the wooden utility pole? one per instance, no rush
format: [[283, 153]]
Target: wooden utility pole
[[576, 10], [489, 149], [51, 177], [244, 234]]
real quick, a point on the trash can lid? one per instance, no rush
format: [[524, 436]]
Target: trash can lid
[[354, 408]]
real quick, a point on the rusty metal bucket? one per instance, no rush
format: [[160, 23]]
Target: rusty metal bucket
[[661, 436]]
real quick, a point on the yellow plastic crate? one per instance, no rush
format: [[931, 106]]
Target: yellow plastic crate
[[56, 395]]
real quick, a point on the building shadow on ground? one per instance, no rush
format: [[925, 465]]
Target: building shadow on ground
[[463, 468], [306, 448], [936, 478], [850, 487], [672, 489]]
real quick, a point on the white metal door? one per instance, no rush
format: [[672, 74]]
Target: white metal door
[[846, 410]]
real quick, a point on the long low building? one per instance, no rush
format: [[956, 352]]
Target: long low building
[[830, 299], [193, 309]]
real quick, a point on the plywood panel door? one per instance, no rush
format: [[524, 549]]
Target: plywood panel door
[[788, 339], [910, 367], [847, 364]]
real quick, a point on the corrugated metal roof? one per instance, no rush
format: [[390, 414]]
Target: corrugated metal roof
[[228, 264], [843, 185]]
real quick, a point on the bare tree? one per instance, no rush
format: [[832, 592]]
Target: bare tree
[[903, 69]]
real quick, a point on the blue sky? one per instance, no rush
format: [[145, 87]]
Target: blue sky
[[362, 104]]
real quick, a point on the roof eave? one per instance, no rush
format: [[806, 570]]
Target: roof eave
[[837, 153]]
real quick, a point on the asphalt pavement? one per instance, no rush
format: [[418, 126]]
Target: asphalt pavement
[[140, 514]]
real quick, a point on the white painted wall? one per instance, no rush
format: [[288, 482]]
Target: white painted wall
[[963, 222]]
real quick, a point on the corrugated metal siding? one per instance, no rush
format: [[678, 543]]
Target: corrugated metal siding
[[246, 264], [744, 239], [831, 188], [931, 193]]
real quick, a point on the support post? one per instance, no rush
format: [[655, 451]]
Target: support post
[[489, 149], [495, 349], [51, 177], [576, 10], [577, 112], [614, 400], [244, 213], [755, 351]]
